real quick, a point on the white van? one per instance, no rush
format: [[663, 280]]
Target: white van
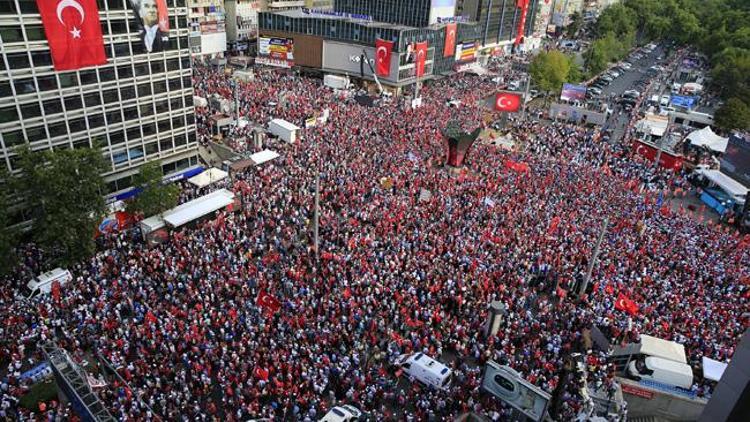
[[426, 370], [662, 370], [43, 283], [345, 413]]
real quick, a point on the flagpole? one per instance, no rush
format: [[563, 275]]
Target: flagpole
[[316, 221], [594, 257]]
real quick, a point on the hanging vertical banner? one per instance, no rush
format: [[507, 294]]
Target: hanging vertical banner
[[383, 50], [524, 6], [421, 54], [450, 40], [153, 23], [73, 33]]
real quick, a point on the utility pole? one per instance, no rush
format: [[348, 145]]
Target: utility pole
[[525, 96], [316, 221], [594, 258]]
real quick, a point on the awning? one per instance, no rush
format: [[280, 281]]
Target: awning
[[208, 177], [653, 125], [263, 156], [725, 182], [713, 369], [707, 138], [198, 208]]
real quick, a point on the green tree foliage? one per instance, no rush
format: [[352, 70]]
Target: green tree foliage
[[616, 19], [576, 23], [155, 197], [605, 50], [731, 73], [63, 190], [8, 235], [549, 70], [734, 114]]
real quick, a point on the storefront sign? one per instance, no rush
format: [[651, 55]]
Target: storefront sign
[[357, 59], [270, 61], [277, 48], [637, 391], [333, 13]]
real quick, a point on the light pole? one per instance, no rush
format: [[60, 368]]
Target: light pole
[[594, 257]]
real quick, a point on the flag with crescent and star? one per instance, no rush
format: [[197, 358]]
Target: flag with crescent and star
[[268, 302], [420, 49], [624, 303], [524, 6], [73, 33], [450, 40], [508, 102], [383, 50]]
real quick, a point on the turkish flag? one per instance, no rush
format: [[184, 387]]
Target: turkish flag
[[420, 51], [450, 40], [524, 6], [73, 33], [268, 302], [383, 50], [508, 102], [624, 303], [261, 373]]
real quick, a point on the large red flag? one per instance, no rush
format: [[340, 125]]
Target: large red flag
[[421, 54], [383, 50], [524, 6], [268, 302], [507, 101], [450, 40], [73, 33]]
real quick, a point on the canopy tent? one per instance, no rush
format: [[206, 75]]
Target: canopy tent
[[725, 182], [653, 125], [264, 156], [208, 177], [198, 208], [692, 87], [707, 138], [713, 369]]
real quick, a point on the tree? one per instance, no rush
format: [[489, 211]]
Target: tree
[[549, 70], [8, 235], [734, 114], [731, 72], [63, 190], [576, 23], [155, 196]]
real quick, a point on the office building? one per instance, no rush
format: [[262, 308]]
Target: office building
[[138, 106], [208, 34], [498, 20], [415, 13]]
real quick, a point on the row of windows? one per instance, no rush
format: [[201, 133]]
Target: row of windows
[[120, 49], [127, 181], [76, 102], [14, 33], [88, 77], [404, 12], [326, 28], [29, 6]]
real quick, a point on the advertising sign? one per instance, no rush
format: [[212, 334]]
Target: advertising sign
[[442, 9], [343, 58], [466, 52], [276, 48], [270, 61], [637, 391], [571, 92]]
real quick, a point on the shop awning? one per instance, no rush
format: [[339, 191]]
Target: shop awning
[[198, 208], [264, 156], [208, 177]]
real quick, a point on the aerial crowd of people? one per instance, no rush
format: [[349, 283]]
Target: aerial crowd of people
[[410, 257]]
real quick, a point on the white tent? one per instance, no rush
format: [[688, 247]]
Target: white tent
[[713, 369], [707, 138], [209, 176], [264, 156], [653, 125], [725, 182], [198, 208]]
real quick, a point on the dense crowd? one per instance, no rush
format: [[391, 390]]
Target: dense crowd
[[396, 274]]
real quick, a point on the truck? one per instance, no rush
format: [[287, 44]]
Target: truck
[[283, 130], [336, 81], [43, 284]]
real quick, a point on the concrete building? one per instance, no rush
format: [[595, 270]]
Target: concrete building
[[414, 13], [208, 35], [139, 105], [498, 20], [333, 43]]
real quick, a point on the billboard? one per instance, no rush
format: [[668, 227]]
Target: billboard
[[347, 58], [571, 92], [441, 10], [507, 385], [466, 52], [276, 48], [736, 160], [152, 21]]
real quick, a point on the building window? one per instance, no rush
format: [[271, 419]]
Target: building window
[[116, 138], [8, 114], [73, 103], [28, 6], [146, 110], [149, 129], [115, 4], [127, 93], [175, 103], [122, 49], [68, 80], [57, 129], [47, 83], [174, 84], [124, 71], [8, 7], [10, 33], [77, 125], [133, 133], [13, 138], [35, 33], [131, 113], [162, 107], [160, 87], [41, 58], [107, 74], [152, 148], [52, 106], [114, 117], [141, 69], [35, 134], [157, 66], [178, 122], [29, 111], [96, 121], [173, 64], [180, 140], [110, 96], [164, 126], [165, 145], [118, 27], [18, 61], [144, 90], [5, 90], [88, 77], [92, 100]]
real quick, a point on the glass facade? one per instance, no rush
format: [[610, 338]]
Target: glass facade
[[414, 13], [137, 107], [498, 19]]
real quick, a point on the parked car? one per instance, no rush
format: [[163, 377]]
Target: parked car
[[607, 78], [626, 65], [631, 93], [345, 413], [664, 101], [595, 91]]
